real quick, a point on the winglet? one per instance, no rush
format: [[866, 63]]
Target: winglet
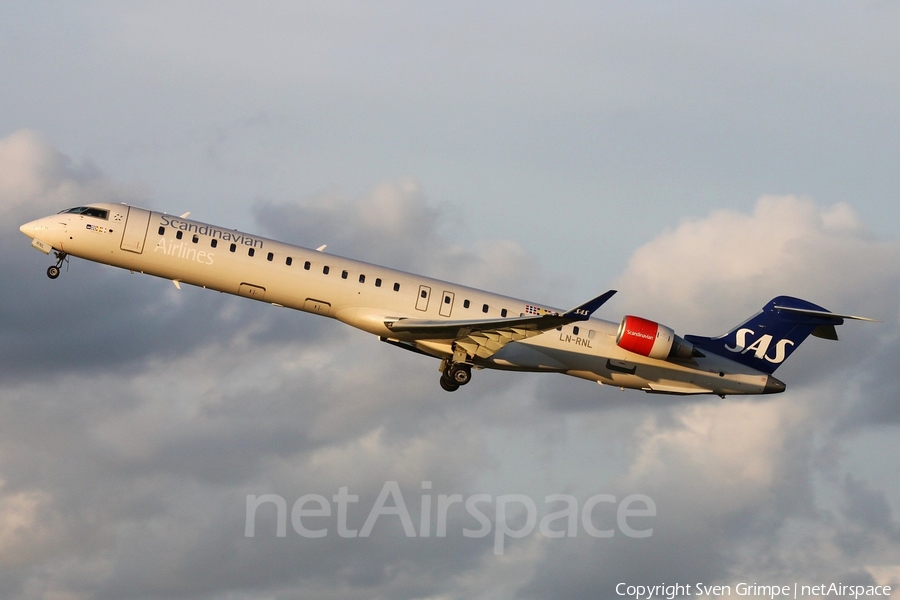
[[584, 312]]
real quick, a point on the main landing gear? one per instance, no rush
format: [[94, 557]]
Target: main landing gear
[[455, 375], [53, 271]]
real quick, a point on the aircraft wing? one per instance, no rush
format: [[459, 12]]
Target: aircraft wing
[[484, 337]]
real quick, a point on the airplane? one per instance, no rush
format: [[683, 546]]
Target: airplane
[[465, 328]]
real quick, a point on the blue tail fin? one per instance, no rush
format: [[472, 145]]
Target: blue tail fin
[[769, 337]]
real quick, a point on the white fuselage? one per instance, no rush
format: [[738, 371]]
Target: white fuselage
[[365, 295]]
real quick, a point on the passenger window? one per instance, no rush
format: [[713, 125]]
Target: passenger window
[[591, 333], [484, 308], [396, 287], [503, 313], [233, 247], [195, 239], [179, 235], [362, 278], [325, 269], [270, 256], [214, 242], [288, 261], [162, 230], [307, 265], [466, 303], [378, 282], [344, 274], [575, 330], [251, 252], [446, 299]]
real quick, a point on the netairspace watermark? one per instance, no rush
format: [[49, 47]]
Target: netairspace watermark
[[795, 591], [557, 524]]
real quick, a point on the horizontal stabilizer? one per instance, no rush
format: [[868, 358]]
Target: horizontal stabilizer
[[824, 314]]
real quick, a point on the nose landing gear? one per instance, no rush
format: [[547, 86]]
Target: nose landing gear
[[53, 271]]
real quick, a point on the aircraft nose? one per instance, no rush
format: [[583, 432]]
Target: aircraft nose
[[774, 386], [29, 229]]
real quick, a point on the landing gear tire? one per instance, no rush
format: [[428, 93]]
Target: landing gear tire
[[460, 374], [449, 385], [53, 271]]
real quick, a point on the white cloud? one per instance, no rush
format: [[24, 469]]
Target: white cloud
[[761, 482], [36, 180], [715, 270], [729, 449]]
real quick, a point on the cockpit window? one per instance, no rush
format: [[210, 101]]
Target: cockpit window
[[88, 211]]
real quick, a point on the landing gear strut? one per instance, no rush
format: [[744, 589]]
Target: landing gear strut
[[456, 375], [53, 271]]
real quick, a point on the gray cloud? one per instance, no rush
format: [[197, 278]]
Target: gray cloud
[[420, 234], [138, 462], [51, 323], [553, 150], [125, 468]]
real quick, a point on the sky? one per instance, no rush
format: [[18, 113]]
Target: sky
[[699, 157]]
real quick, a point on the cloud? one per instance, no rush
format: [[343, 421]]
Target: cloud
[[135, 419], [36, 178], [395, 225], [122, 319], [716, 269], [756, 488]]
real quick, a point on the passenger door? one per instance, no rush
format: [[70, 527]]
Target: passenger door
[[447, 304], [135, 229], [422, 299]]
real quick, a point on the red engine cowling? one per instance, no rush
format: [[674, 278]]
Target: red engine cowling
[[649, 338]]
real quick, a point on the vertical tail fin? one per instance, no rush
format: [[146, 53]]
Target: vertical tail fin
[[769, 337]]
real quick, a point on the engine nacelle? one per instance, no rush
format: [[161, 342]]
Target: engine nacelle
[[649, 338]]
